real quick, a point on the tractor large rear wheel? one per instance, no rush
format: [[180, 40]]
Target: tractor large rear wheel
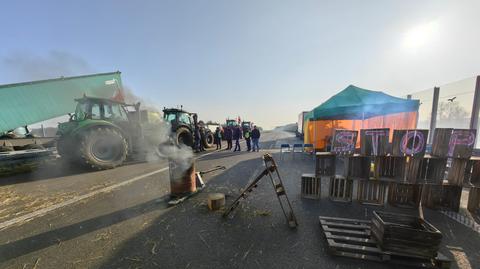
[[184, 136], [209, 140], [103, 148]]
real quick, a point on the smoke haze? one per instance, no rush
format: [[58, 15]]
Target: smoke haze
[[24, 66]]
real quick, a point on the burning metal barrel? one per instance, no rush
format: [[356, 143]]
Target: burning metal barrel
[[182, 177]]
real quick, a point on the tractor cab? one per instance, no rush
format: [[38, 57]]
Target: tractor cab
[[231, 123], [179, 118], [89, 108], [246, 124]]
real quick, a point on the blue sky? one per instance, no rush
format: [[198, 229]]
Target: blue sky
[[263, 60]]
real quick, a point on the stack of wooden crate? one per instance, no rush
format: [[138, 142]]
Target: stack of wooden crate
[[446, 167], [399, 173]]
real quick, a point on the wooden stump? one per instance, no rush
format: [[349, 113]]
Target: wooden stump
[[216, 201]]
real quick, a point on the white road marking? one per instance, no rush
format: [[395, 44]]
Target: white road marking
[[41, 212]]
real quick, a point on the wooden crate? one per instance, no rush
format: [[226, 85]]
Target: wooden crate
[[474, 201], [374, 142], [344, 142], [324, 164], [405, 234], [456, 143], [441, 138], [445, 197], [371, 192], [409, 142], [475, 175], [341, 189], [341, 166], [408, 169], [310, 186], [358, 167], [404, 195], [456, 171], [434, 169]]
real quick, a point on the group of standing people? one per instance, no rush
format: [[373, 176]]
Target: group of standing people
[[231, 133]]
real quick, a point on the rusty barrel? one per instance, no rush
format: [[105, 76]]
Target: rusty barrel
[[182, 177]]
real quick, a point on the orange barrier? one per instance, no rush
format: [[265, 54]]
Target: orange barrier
[[319, 132]]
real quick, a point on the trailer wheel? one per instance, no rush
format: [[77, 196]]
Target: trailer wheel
[[209, 139], [184, 136], [103, 148]]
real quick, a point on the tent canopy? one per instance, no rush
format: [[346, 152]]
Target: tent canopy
[[357, 103]]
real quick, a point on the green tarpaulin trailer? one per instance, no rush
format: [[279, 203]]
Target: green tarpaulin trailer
[[26, 103]]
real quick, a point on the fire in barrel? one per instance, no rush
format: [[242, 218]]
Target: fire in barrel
[[182, 177]]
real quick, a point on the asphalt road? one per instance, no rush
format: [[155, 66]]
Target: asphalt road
[[120, 219]]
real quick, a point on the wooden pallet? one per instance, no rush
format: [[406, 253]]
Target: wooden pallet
[[352, 238]]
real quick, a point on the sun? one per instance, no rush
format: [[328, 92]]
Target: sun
[[420, 35]]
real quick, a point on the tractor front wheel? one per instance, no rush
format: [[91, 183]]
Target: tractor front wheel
[[209, 140], [103, 148]]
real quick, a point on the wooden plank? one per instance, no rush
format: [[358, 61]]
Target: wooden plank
[[344, 225], [352, 247], [344, 219], [345, 231], [376, 258], [350, 238]]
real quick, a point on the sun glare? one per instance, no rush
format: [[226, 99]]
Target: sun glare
[[421, 35]]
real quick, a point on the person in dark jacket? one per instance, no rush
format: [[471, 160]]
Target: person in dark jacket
[[202, 138], [247, 136], [255, 138], [218, 138], [237, 135], [197, 142], [228, 134]]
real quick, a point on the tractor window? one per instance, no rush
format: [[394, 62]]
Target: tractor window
[[170, 117], [95, 112], [184, 118], [114, 112]]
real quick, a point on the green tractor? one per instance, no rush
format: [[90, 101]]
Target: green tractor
[[102, 133], [183, 127]]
